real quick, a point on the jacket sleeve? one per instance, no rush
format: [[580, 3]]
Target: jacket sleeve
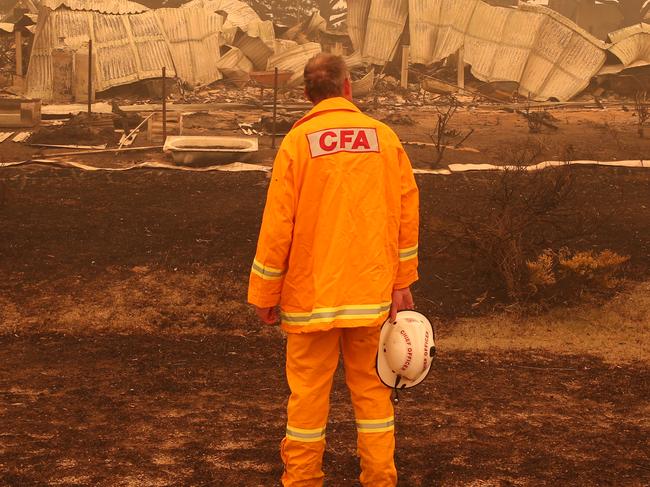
[[274, 243], [407, 272]]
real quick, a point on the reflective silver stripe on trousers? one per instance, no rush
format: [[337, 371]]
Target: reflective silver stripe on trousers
[[305, 436], [374, 426]]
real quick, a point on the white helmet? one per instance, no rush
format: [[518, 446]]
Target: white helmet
[[406, 350]]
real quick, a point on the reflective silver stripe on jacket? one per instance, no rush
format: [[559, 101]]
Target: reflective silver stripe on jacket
[[407, 254], [268, 273], [341, 312]]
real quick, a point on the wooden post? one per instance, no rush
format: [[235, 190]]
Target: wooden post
[[90, 79], [405, 66], [19, 52], [164, 103], [461, 68], [275, 105]]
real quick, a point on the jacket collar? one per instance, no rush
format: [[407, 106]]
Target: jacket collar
[[328, 105]]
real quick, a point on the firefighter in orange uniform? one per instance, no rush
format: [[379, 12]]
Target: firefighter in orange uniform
[[337, 253]]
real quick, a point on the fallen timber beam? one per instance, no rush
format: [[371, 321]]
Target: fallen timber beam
[[188, 107], [105, 151]]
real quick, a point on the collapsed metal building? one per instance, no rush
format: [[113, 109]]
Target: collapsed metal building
[[545, 53], [548, 55], [133, 43]]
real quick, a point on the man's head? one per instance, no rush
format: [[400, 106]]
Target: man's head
[[327, 76]]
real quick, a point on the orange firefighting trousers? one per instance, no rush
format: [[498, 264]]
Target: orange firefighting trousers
[[312, 359]]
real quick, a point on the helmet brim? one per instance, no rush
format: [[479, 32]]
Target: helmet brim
[[389, 377]]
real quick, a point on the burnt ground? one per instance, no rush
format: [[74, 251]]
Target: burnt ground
[[127, 356], [497, 135], [64, 230], [145, 410]]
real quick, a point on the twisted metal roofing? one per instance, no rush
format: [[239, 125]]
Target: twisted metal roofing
[[239, 13], [295, 60], [385, 24], [357, 16], [115, 7], [632, 45], [127, 48], [548, 55], [193, 36]]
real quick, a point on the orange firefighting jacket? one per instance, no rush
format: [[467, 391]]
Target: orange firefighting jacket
[[340, 226]]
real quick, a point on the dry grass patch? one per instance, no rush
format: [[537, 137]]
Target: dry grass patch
[[144, 300], [617, 332]]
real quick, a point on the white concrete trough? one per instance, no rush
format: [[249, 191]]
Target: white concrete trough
[[201, 150]]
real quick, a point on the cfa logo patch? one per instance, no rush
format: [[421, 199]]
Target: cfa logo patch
[[332, 141]]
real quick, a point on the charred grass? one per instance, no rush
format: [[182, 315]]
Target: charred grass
[[128, 356]]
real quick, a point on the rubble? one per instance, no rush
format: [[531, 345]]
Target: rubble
[[365, 84], [632, 46], [123, 119], [21, 137], [284, 123], [235, 66], [433, 85], [19, 112], [254, 49], [99, 131], [398, 119], [157, 131], [222, 52], [294, 60], [7, 54]]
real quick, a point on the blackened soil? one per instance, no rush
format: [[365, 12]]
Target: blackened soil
[[144, 410], [58, 224]]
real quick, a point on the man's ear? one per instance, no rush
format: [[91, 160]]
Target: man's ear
[[307, 96], [347, 89]]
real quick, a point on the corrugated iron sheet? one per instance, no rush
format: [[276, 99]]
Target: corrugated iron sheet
[[116, 7], [295, 60], [234, 59], [549, 56], [264, 30], [357, 19], [193, 35], [239, 16], [354, 60], [152, 51], [364, 86], [438, 28], [127, 48], [282, 45], [235, 66], [385, 24], [632, 45], [239, 13], [130, 47], [254, 48]]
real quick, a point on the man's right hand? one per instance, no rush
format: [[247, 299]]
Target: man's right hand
[[402, 299], [269, 316]]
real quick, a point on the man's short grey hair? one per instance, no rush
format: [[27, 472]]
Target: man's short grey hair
[[325, 76]]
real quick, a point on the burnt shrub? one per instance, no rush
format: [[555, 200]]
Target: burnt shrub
[[516, 244]]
